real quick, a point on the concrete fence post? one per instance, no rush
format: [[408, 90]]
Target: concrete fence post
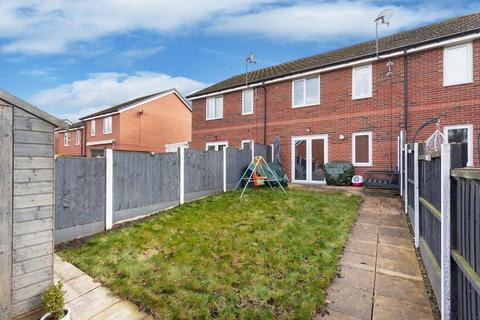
[[400, 162], [182, 175], [108, 189], [224, 169], [416, 199], [405, 197], [445, 278]]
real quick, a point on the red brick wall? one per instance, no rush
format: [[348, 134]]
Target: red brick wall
[[73, 149], [337, 114]]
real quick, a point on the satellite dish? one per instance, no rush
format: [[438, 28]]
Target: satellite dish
[[384, 17], [251, 58]]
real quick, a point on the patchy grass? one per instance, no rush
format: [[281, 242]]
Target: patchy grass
[[265, 256]]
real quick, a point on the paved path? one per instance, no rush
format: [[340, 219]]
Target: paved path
[[89, 300], [380, 277]]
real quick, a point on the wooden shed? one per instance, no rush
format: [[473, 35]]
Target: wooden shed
[[26, 205]]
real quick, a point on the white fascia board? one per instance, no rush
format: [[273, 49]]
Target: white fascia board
[[69, 130], [96, 143], [345, 65], [101, 116]]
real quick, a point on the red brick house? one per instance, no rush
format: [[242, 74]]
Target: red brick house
[[349, 104], [69, 142], [152, 123]]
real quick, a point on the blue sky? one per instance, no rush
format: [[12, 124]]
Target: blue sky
[[75, 57]]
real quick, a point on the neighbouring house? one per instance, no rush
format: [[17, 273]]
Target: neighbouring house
[[154, 123], [350, 104], [69, 142], [27, 208]]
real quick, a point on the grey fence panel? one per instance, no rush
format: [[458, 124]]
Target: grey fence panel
[[263, 150], [144, 183], [79, 197], [237, 162], [203, 173]]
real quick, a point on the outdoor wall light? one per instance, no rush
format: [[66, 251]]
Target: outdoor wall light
[[341, 137], [309, 130]]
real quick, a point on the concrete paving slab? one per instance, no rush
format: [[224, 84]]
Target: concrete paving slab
[[369, 220], [122, 310], [350, 301], [366, 227], [361, 247], [358, 235], [404, 290], [391, 309], [91, 304], [397, 253], [334, 315], [395, 241], [79, 286], [65, 270], [395, 223], [394, 232], [402, 267], [356, 278], [352, 258]]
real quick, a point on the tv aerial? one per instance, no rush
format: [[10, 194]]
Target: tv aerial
[[382, 18], [250, 59]]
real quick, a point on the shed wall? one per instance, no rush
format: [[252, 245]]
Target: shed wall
[[33, 201]]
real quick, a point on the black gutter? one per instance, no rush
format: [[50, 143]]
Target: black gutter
[[405, 92], [345, 61]]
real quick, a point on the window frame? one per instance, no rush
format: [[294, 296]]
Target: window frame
[[469, 128], [252, 146], [304, 104], [107, 119], [66, 139], [93, 127], [370, 149], [215, 106], [469, 60], [216, 144], [370, 92], [243, 101], [78, 137]]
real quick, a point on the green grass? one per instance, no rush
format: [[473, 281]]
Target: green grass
[[265, 256]]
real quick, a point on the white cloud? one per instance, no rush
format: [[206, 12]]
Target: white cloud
[[101, 90], [39, 26], [333, 20]]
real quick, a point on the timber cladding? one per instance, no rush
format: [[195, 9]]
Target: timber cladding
[[26, 210]]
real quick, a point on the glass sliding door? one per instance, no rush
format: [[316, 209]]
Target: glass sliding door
[[309, 155]]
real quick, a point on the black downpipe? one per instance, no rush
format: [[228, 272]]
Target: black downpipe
[[264, 114], [405, 93]]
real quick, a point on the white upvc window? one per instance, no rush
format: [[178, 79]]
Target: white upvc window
[[461, 134], [247, 102], [214, 108], [362, 149], [216, 146], [458, 64], [362, 82], [107, 125], [78, 135], [93, 130], [66, 139], [306, 92], [247, 144]]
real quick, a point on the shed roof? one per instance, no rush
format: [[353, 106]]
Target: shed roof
[[434, 32], [19, 103]]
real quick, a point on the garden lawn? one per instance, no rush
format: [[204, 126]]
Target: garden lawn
[[265, 256]]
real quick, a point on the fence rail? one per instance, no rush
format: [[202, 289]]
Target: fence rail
[[88, 200]]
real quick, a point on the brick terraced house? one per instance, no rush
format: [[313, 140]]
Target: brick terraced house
[[347, 104], [154, 123]]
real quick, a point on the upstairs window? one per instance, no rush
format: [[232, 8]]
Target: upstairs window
[[362, 149], [78, 137], [66, 139], [306, 92], [247, 102], [362, 82], [107, 125], [215, 108], [92, 127], [457, 64]]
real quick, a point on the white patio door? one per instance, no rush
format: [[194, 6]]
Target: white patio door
[[309, 155]]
